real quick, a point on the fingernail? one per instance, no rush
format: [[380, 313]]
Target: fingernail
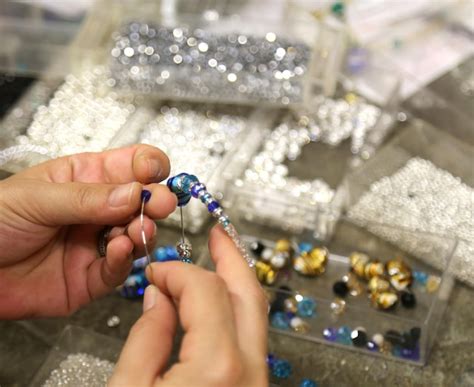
[[154, 167], [149, 299], [121, 195]]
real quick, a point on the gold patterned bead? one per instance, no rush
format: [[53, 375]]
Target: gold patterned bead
[[386, 348], [358, 262], [384, 300], [312, 263], [299, 325], [283, 245], [378, 284], [373, 269], [338, 306], [401, 280], [265, 274], [396, 266]]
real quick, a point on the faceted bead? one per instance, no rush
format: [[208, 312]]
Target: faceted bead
[[257, 248], [412, 354], [432, 283], [196, 188], [213, 206], [187, 260], [330, 334], [299, 325], [308, 383], [187, 182], [373, 269], [281, 369], [279, 320], [384, 300], [378, 339], [371, 346], [344, 335], [267, 254], [306, 307], [420, 277], [397, 266], [206, 197], [291, 305], [279, 260], [184, 250], [270, 360], [358, 262], [359, 337], [145, 195], [224, 220], [338, 306], [408, 299], [340, 289], [305, 247], [401, 281]]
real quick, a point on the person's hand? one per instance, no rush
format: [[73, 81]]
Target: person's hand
[[224, 317], [51, 216]]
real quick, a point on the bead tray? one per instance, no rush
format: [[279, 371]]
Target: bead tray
[[347, 238]]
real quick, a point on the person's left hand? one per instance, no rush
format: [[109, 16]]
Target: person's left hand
[[51, 216]]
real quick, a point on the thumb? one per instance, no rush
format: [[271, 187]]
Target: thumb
[[58, 204]]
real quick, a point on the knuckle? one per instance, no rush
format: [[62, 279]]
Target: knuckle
[[84, 197]]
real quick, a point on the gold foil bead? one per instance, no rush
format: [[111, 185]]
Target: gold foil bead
[[384, 300], [265, 274], [358, 262], [338, 306], [290, 305], [378, 284], [373, 269], [283, 245], [299, 325], [401, 281], [432, 283], [396, 266], [311, 264], [386, 348]]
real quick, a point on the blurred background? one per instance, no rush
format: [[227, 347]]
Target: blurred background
[[329, 127]]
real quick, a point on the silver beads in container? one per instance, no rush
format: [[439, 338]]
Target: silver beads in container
[[194, 63]]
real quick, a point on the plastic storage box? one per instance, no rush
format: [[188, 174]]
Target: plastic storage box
[[357, 312]]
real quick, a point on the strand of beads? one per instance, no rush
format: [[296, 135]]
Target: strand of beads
[[186, 186]]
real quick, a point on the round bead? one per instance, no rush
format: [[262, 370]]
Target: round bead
[[305, 247], [408, 299], [338, 306], [306, 307], [378, 339], [184, 250], [401, 281], [267, 254], [358, 262], [160, 254], [279, 260], [420, 277], [171, 253], [371, 346], [330, 334], [373, 269], [281, 369], [340, 289], [397, 266], [308, 383], [283, 245], [257, 248], [279, 320], [384, 300], [344, 335], [265, 273], [359, 337], [299, 325], [378, 284], [291, 305], [145, 195]]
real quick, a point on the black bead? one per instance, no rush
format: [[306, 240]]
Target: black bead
[[256, 248], [359, 338], [340, 288], [408, 299], [415, 332], [278, 304], [394, 337]]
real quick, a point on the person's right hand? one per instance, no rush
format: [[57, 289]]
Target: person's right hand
[[223, 314]]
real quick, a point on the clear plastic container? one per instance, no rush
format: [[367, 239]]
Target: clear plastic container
[[74, 340], [419, 141], [358, 312]]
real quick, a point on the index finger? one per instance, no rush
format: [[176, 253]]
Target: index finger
[[142, 163], [248, 299]]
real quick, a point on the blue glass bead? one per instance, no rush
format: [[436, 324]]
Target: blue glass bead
[[397, 351], [213, 206], [186, 260], [171, 253], [281, 369], [196, 188], [330, 334], [305, 247], [420, 277], [160, 254], [271, 360], [145, 195], [289, 315], [306, 307], [175, 185], [279, 320], [371, 346], [139, 265], [205, 197], [187, 182], [134, 286], [308, 383], [412, 354], [344, 335]]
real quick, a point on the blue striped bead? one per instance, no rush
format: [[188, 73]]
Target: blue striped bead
[[213, 206], [196, 188], [187, 182]]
